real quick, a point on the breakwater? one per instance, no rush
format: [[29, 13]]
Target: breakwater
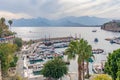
[[57, 39]]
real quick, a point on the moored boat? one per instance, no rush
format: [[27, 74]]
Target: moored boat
[[96, 40], [94, 30], [97, 68], [97, 51]]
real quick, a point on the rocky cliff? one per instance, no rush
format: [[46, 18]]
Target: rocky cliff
[[112, 26]]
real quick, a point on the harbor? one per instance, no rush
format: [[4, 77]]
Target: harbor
[[60, 40], [34, 58], [40, 53]]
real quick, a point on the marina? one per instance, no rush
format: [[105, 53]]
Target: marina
[[39, 53], [34, 62]]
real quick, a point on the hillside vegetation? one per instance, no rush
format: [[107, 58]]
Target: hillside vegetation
[[4, 28]]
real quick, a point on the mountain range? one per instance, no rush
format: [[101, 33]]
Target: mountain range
[[66, 21]]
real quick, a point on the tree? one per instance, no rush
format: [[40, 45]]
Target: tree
[[55, 69], [112, 66], [10, 22], [118, 72], [14, 62], [78, 48], [6, 55], [118, 75], [3, 20], [18, 42], [88, 58], [101, 77], [4, 28]]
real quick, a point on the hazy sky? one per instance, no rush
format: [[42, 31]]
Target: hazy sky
[[54, 9]]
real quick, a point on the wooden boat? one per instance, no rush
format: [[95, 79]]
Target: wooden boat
[[108, 39], [48, 43], [97, 51]]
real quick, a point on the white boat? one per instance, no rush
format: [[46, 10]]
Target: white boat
[[97, 68], [37, 67], [36, 58]]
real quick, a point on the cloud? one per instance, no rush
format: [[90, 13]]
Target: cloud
[[54, 9], [9, 15]]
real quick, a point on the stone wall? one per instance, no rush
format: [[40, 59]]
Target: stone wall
[[0, 71]]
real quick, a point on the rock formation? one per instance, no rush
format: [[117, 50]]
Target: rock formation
[[112, 26]]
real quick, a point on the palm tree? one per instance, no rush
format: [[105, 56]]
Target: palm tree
[[10, 22], [78, 48], [88, 58], [2, 20], [86, 54]]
